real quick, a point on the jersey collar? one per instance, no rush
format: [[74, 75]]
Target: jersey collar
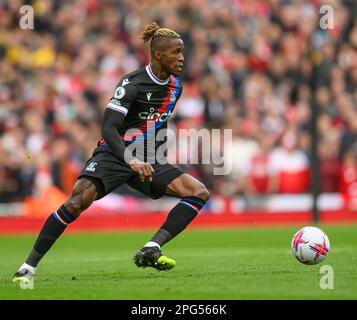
[[155, 78]]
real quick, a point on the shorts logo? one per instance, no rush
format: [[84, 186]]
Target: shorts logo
[[119, 93], [91, 167], [148, 95]]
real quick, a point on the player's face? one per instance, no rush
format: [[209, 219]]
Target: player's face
[[172, 58]]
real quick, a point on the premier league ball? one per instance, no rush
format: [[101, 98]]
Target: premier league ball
[[310, 245]]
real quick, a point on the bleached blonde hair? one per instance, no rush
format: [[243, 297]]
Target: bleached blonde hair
[[153, 30]]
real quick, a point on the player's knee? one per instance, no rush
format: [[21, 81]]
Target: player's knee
[[82, 196], [76, 204], [201, 192]]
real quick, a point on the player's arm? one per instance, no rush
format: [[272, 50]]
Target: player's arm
[[113, 118], [112, 121]]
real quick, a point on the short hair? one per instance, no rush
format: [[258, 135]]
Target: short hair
[[153, 32]]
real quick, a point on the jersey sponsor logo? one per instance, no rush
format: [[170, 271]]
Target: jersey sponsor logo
[[125, 82], [155, 116], [91, 167], [119, 93], [148, 95]]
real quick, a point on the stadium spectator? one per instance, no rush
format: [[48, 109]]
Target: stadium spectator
[[349, 179], [289, 167], [258, 179]]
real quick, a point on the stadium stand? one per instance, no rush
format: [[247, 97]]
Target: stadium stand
[[258, 67]]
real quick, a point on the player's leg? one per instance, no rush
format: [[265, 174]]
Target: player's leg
[[193, 196], [83, 194]]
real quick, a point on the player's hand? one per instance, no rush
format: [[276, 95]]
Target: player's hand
[[145, 170]]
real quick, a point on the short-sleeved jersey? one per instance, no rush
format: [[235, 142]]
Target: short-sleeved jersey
[[147, 103]]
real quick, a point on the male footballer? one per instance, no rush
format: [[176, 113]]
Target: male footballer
[[139, 109]]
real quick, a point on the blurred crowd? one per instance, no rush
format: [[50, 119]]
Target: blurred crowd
[[258, 67]]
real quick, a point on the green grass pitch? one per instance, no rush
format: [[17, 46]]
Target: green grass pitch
[[244, 263]]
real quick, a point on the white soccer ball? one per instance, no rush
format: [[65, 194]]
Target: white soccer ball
[[310, 245]]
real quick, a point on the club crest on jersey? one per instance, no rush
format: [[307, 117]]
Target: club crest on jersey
[[148, 95], [119, 93], [91, 167], [173, 96]]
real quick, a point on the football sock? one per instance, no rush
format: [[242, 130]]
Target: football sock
[[54, 226], [178, 219], [28, 267], [152, 244]]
